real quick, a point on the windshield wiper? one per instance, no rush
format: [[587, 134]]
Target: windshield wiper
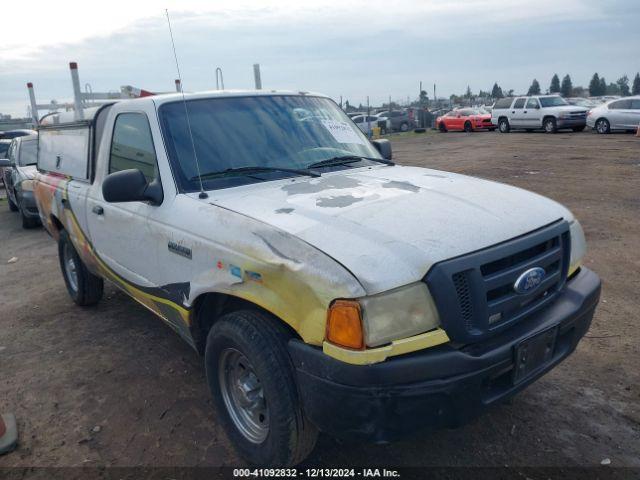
[[346, 159], [256, 169]]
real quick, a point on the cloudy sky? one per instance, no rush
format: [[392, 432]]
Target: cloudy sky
[[351, 48]]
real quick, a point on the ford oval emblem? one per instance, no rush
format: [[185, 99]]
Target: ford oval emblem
[[529, 280]]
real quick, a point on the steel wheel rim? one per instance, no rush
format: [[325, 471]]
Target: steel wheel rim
[[503, 126], [70, 267], [549, 126], [243, 395]]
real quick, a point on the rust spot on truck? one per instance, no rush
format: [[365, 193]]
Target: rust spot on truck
[[334, 182], [410, 187]]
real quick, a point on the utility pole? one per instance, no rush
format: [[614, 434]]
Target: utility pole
[[256, 76]]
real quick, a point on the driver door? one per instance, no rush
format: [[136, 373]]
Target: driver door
[[120, 232]]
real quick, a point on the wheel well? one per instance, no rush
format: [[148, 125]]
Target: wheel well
[[209, 307], [602, 118], [56, 225], [502, 118], [545, 118]]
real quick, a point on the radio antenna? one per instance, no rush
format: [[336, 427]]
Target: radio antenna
[[203, 194]]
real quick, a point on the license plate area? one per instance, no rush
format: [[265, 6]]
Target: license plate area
[[533, 354]]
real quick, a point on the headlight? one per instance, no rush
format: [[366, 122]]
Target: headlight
[[398, 313], [379, 319], [578, 246]]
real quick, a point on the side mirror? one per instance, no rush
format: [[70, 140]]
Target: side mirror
[[131, 186], [5, 162], [384, 147], [458, 116], [537, 107]]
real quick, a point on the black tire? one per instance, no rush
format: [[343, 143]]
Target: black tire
[[549, 124], [28, 222], [404, 127], [468, 127], [261, 340], [383, 131], [88, 288], [492, 129], [578, 129], [442, 127], [602, 126], [12, 206], [503, 125]]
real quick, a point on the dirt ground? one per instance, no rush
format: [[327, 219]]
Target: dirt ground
[[112, 385]]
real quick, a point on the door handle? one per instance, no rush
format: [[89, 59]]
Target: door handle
[[525, 111], [98, 210], [513, 111]]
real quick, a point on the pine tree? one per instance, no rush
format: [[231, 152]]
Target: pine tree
[[603, 87], [594, 85], [623, 86], [496, 91], [555, 84], [534, 89], [635, 88], [566, 89]]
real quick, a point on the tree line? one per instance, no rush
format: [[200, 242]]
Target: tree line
[[598, 87]]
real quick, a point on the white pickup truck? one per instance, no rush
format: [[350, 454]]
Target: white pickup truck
[[327, 288]]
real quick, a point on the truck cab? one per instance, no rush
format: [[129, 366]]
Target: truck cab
[[327, 288]]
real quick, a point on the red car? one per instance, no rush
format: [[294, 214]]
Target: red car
[[466, 119]]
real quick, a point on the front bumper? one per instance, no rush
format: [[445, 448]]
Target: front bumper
[[571, 122], [443, 386]]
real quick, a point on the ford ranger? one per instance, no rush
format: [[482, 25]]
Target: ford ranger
[[327, 288]]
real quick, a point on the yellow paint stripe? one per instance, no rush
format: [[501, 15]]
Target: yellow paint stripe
[[138, 294], [398, 347]]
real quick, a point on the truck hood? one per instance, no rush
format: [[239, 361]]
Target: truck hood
[[389, 225], [571, 108]]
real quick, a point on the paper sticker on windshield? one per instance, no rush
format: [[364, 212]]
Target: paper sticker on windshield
[[343, 132]]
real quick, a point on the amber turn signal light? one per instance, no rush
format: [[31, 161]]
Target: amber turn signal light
[[344, 324]]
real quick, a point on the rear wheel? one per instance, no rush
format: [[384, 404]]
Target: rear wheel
[[404, 127], [468, 127], [550, 125], [28, 222], [84, 287], [252, 380], [503, 125], [603, 126]]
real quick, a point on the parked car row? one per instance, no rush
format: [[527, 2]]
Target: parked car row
[[19, 169]]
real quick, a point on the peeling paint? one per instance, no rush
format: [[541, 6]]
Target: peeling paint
[[285, 210], [332, 182], [340, 201], [410, 187]]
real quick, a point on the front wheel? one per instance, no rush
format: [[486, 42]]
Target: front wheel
[[603, 126], [404, 127], [84, 287], [467, 127], [252, 380], [12, 206], [503, 125], [442, 127], [550, 125]]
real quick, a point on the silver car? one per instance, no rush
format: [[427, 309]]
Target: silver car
[[620, 114]]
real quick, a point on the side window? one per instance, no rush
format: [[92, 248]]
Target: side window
[[132, 146], [620, 105], [635, 104], [532, 103], [519, 103], [11, 154]]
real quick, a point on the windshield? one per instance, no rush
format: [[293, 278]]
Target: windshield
[[552, 101], [28, 153], [280, 131]]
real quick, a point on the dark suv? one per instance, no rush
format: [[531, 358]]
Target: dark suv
[[400, 121]]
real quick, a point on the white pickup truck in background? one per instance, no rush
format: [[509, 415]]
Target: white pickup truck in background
[[327, 288]]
